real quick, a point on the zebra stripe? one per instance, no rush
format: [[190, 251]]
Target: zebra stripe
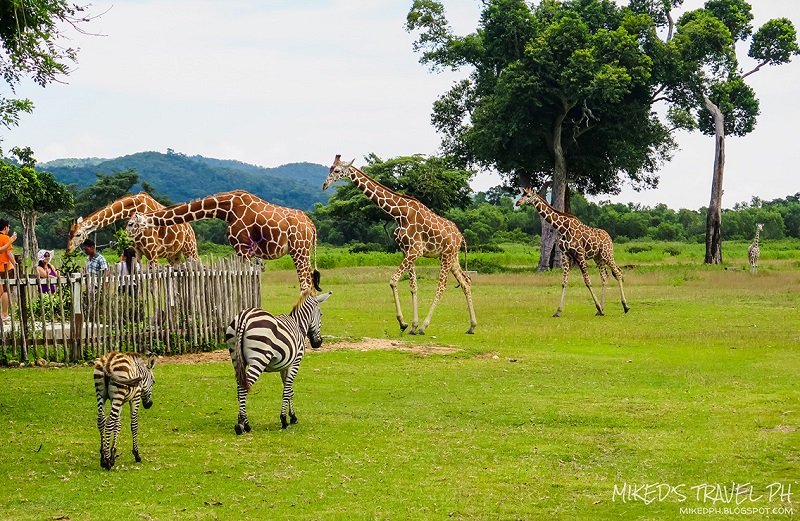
[[122, 378], [261, 342]]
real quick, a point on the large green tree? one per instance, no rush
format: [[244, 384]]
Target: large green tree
[[31, 37], [560, 95], [713, 90], [25, 194]]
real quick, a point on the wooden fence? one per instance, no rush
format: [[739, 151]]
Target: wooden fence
[[163, 309]]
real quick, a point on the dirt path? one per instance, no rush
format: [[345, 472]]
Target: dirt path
[[365, 344]]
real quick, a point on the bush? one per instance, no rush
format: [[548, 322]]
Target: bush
[[366, 248], [639, 248]]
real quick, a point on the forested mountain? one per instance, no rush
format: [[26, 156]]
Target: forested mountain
[[183, 178]]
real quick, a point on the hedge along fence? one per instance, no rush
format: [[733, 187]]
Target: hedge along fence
[[163, 309]]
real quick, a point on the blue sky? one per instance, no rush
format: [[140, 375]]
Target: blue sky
[[273, 82]]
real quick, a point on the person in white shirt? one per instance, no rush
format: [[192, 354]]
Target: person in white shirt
[[128, 265]]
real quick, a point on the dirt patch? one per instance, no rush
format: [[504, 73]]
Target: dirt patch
[[364, 344]]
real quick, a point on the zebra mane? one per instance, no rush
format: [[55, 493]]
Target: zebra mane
[[303, 296]]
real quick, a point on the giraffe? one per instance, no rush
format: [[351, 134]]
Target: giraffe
[[256, 228], [754, 252], [419, 233], [155, 243], [579, 242]]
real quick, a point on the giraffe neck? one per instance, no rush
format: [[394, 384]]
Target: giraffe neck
[[389, 200], [121, 209], [755, 241], [217, 206], [558, 220]]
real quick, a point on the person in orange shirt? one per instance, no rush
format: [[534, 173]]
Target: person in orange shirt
[[6, 263]]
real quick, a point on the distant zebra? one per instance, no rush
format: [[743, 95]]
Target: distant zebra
[[259, 341], [121, 378]]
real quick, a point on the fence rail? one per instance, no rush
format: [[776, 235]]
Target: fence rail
[[163, 309]]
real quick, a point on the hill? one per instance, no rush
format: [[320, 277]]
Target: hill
[[183, 178]]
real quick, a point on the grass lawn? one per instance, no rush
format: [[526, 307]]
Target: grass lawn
[[631, 416]]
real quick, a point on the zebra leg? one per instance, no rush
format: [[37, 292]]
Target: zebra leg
[[135, 427], [288, 375], [113, 427], [101, 426], [242, 425], [253, 372]]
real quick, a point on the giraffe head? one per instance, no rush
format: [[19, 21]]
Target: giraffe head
[[77, 234], [137, 224], [339, 170], [759, 227], [527, 197]]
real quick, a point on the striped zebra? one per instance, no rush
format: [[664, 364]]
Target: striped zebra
[[121, 378], [259, 341]]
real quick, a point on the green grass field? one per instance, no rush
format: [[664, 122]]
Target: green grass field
[[631, 416]]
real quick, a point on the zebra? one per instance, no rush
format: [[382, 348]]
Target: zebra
[[121, 378], [259, 341]]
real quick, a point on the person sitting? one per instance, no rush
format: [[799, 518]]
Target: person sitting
[[46, 270], [128, 265]]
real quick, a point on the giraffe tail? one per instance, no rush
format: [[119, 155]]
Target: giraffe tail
[[316, 274]]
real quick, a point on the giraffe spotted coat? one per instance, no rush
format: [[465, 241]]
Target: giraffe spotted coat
[[161, 242], [579, 242], [256, 228], [419, 233]]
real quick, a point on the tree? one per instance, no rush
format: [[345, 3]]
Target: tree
[[30, 36], [560, 94], [714, 91], [26, 193]]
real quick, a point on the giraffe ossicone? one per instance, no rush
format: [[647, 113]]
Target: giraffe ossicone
[[419, 233], [256, 228], [579, 242]]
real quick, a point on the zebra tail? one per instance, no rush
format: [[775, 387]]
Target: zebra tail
[[237, 356], [130, 382]]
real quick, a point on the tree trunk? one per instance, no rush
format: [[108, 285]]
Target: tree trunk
[[30, 245], [550, 255], [714, 217]]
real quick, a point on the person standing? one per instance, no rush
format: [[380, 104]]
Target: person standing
[[128, 265], [96, 265], [7, 264]]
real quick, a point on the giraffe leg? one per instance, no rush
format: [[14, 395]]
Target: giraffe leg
[[604, 280], [302, 263], [407, 263], [443, 272], [466, 285], [618, 275], [564, 278], [585, 271]]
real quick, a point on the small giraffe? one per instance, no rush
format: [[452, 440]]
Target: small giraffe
[[419, 233], [754, 252], [579, 242], [256, 228], [155, 243]]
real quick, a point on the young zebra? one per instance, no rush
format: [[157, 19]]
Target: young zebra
[[259, 341], [121, 378]]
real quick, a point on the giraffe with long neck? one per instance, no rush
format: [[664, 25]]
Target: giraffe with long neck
[[154, 243], [419, 233], [579, 242], [754, 252], [256, 228]]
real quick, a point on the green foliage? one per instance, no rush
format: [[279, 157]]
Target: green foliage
[[122, 241], [51, 305], [31, 38]]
